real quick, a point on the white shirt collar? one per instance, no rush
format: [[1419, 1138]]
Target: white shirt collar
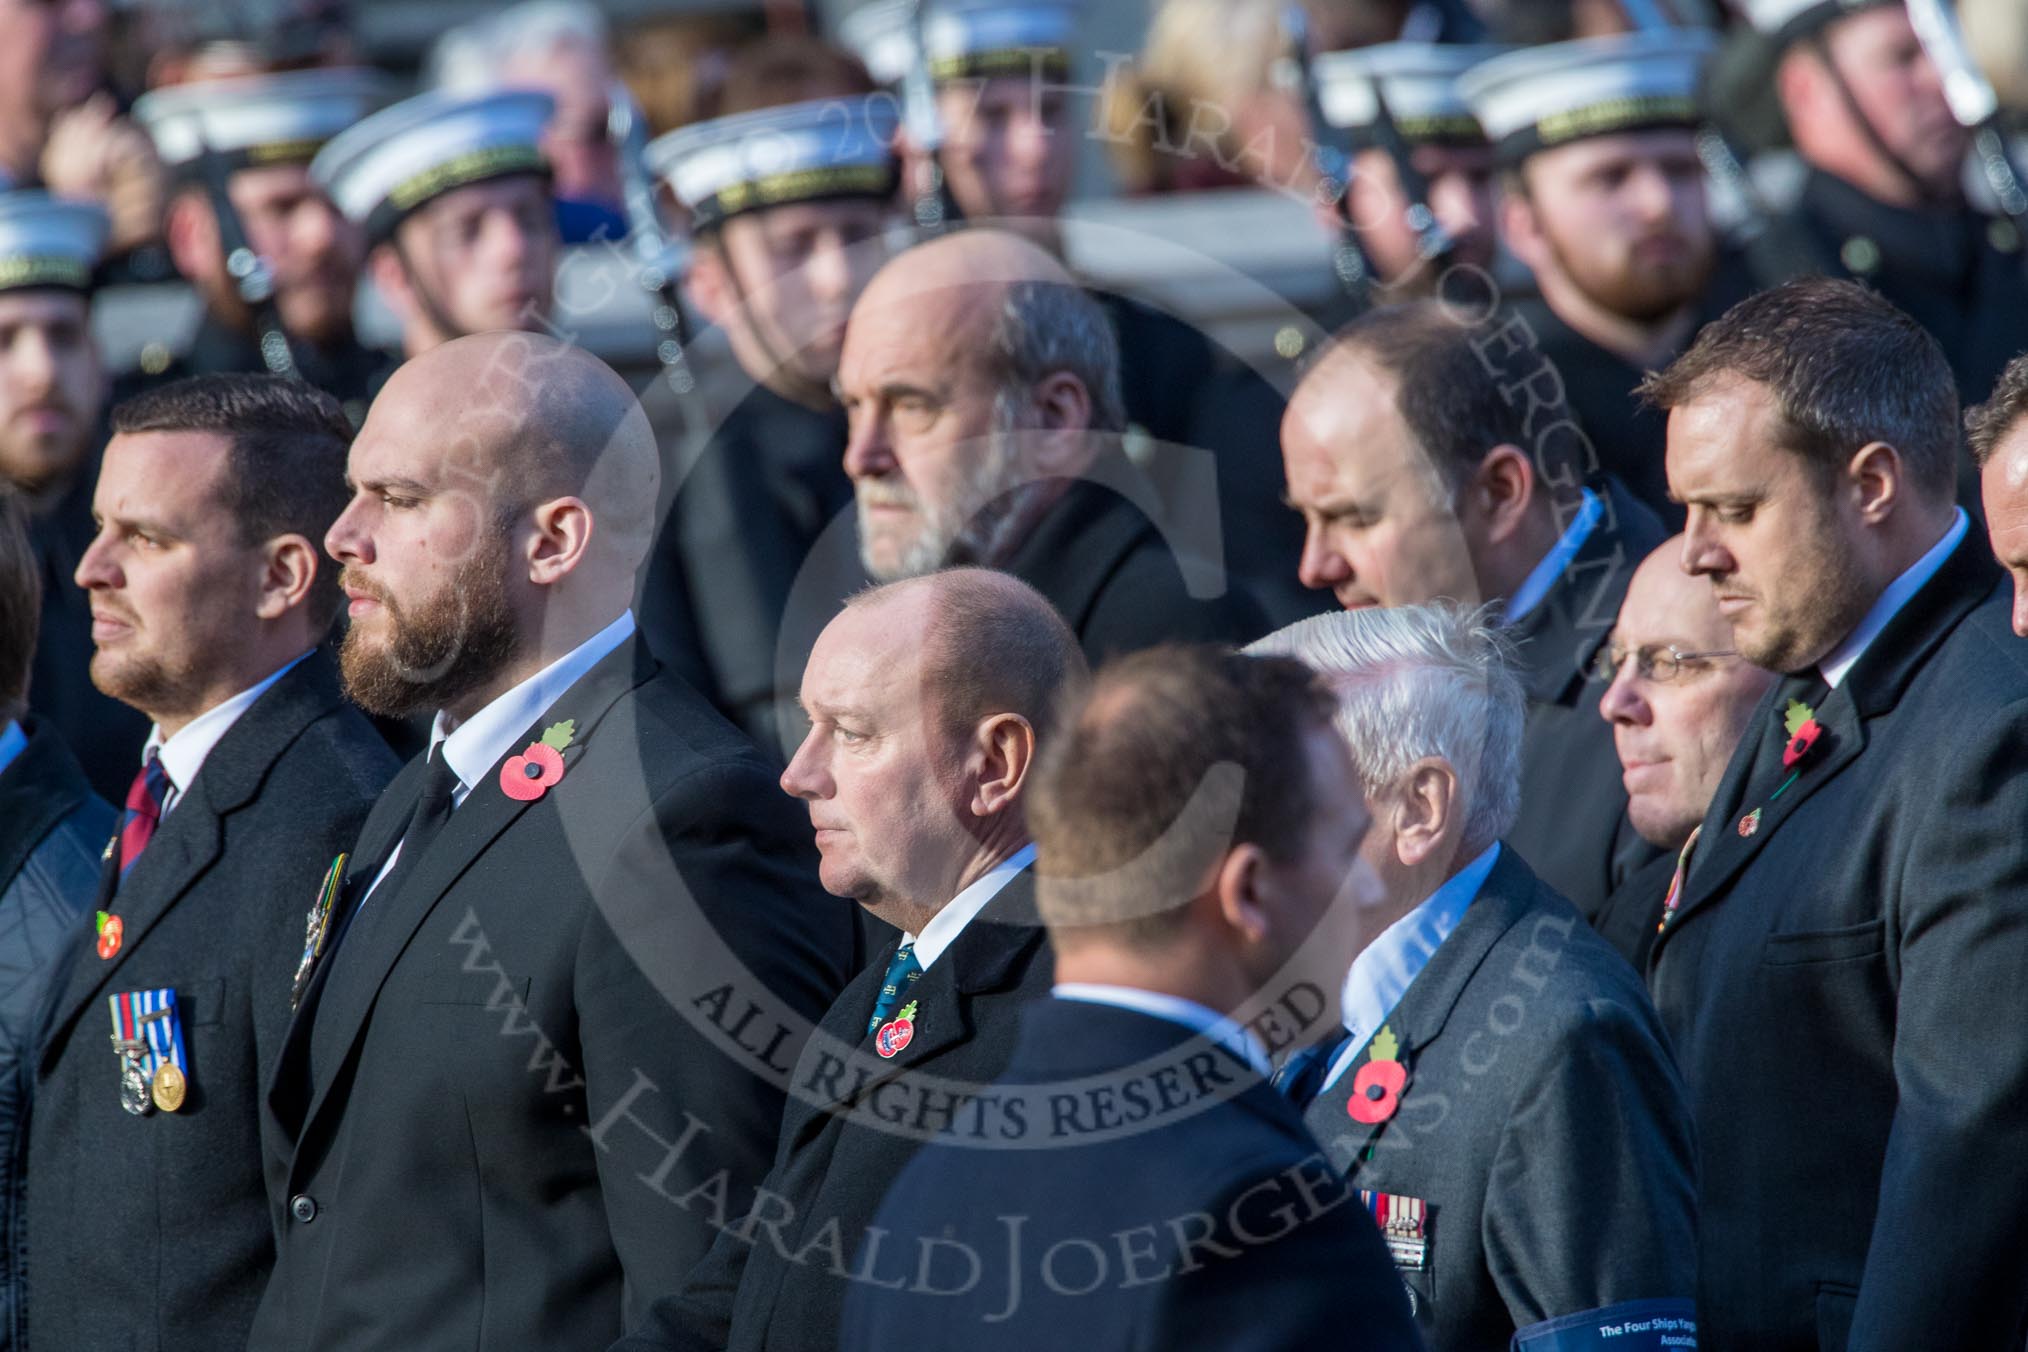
[[1847, 654], [488, 736], [1200, 1019], [13, 741], [947, 924], [1552, 565], [1384, 970], [184, 754]]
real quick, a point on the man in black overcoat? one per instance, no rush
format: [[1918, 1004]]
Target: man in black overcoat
[[1837, 968]]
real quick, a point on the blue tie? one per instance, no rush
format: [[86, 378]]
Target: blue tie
[[902, 972]]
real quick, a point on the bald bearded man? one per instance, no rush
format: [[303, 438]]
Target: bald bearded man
[[981, 387], [550, 998]]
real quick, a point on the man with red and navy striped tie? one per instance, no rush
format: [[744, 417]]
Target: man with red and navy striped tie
[[147, 1214]]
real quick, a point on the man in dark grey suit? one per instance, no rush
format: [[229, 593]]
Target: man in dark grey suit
[[565, 970], [1840, 970], [927, 699], [147, 1212], [1428, 464], [1503, 1094], [52, 827]]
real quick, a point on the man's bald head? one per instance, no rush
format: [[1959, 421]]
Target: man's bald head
[[536, 419], [990, 644], [974, 372], [996, 298], [503, 497]]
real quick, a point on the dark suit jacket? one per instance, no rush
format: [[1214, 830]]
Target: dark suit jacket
[[851, 1125], [1161, 1196], [563, 1045], [749, 502], [1543, 1122], [1573, 826], [152, 1232], [1630, 915], [1842, 989], [52, 829], [1105, 565]]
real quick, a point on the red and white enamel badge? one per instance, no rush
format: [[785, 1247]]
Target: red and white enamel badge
[[897, 1032]]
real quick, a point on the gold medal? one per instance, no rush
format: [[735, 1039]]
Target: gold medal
[[169, 1087]]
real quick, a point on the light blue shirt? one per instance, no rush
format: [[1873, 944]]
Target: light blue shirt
[[1206, 1022], [1383, 972], [947, 924], [478, 743], [13, 741], [184, 754], [1551, 566], [1847, 654]]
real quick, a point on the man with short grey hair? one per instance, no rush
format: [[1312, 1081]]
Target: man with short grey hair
[[981, 386], [1503, 1091]]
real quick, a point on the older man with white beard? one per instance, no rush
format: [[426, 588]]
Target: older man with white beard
[[982, 389]]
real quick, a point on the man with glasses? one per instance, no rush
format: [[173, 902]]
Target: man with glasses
[[1678, 697], [1417, 479]]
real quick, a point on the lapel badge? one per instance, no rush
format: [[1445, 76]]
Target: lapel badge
[[1750, 822], [1376, 1089], [317, 928], [1404, 1224], [111, 931], [528, 776], [896, 1033]]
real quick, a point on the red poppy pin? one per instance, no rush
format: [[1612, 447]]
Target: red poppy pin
[[1803, 729], [111, 931], [1800, 722], [528, 776], [896, 1033], [1376, 1089]]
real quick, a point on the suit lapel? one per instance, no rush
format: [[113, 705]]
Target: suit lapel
[[1870, 689], [1728, 844], [192, 836], [979, 960], [1424, 1009], [473, 827]]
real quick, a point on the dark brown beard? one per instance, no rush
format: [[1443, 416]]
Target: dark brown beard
[[452, 643]]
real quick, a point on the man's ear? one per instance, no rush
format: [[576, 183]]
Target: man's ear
[[1521, 227], [191, 232], [288, 570], [1877, 477], [709, 285], [1062, 434], [1238, 888], [1426, 811], [563, 532], [1003, 747], [390, 278], [1502, 489]]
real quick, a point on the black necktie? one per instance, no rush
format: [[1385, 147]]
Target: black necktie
[[425, 824]]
